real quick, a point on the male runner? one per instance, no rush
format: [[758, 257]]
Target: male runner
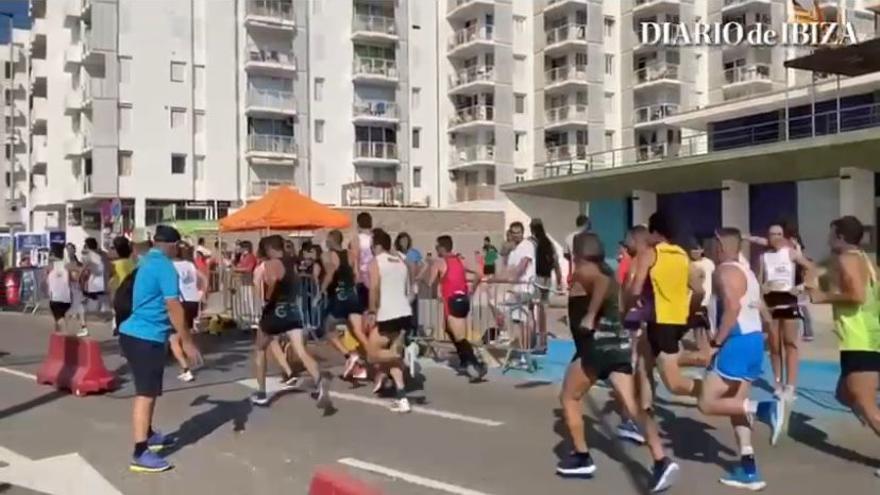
[[738, 362], [603, 352], [582, 224], [661, 281], [343, 303], [854, 296], [450, 269], [777, 275], [282, 314], [390, 311], [700, 321], [360, 255]]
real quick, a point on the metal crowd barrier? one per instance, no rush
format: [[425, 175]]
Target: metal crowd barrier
[[245, 300]]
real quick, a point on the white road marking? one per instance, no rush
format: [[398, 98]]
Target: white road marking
[[273, 386], [10, 457], [67, 474], [409, 478], [20, 374]]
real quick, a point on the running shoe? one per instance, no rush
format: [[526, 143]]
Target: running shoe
[[289, 381], [260, 399], [322, 398], [186, 377], [401, 405], [576, 465], [360, 372], [83, 332], [410, 356], [351, 364], [149, 462], [740, 478], [158, 441], [772, 412], [629, 430], [665, 475]]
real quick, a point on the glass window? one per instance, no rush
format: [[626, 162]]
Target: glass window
[[609, 26], [417, 177], [416, 137], [124, 163], [178, 164], [416, 97], [177, 117], [319, 88], [520, 103], [319, 131], [177, 69], [609, 64]]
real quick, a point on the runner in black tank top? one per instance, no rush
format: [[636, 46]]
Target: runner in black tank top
[[343, 303], [283, 315]]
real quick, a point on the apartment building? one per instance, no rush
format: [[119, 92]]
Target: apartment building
[[17, 118]]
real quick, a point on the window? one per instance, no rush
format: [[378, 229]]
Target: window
[[177, 69], [8, 151], [609, 64], [609, 26], [177, 117], [416, 97], [417, 177], [520, 103], [199, 167], [125, 118], [319, 88], [7, 96], [178, 164], [518, 138], [416, 137], [520, 23], [124, 163], [609, 140], [7, 70], [490, 177], [199, 122], [319, 131], [609, 102], [124, 70]]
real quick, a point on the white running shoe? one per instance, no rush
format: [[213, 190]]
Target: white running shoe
[[360, 371], [186, 377], [83, 332], [350, 365], [401, 406], [411, 354]]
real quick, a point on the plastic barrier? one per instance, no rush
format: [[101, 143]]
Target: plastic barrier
[[75, 364], [330, 481]]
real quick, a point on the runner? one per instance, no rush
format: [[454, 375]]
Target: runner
[[603, 352], [343, 305], [94, 288], [777, 275], [122, 267], [289, 379], [661, 282], [192, 286], [854, 296], [58, 282], [390, 311], [282, 314], [77, 303], [738, 362], [700, 321], [582, 224], [360, 255], [450, 269]]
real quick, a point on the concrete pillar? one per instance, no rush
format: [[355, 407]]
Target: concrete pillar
[[857, 199], [644, 204], [735, 205], [140, 214]]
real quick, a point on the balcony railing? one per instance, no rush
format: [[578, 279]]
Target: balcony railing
[[756, 72], [730, 3], [566, 153], [472, 33], [569, 32], [259, 188], [372, 193], [376, 109], [277, 9], [797, 128], [656, 72], [474, 113], [374, 24], [471, 154], [270, 98], [565, 73], [472, 74], [271, 143], [375, 150], [577, 112], [652, 113], [280, 57], [369, 66]]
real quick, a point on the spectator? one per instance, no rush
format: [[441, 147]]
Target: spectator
[[582, 224], [122, 267], [156, 310], [202, 249], [246, 261], [490, 257], [546, 265]]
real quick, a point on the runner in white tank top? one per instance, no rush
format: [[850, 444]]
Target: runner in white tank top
[[365, 256], [60, 296], [739, 359], [393, 285]]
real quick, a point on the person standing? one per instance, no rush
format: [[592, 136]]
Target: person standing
[[413, 257], [77, 300], [94, 288], [546, 266], [58, 283], [520, 271], [192, 286], [490, 257], [699, 321], [143, 339], [121, 268]]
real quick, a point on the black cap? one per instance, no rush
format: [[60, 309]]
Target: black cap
[[166, 233]]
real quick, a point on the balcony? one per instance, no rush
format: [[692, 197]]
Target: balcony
[[472, 79], [873, 5], [73, 55], [77, 145], [39, 111], [473, 116], [38, 70], [259, 188], [274, 148], [730, 5], [270, 14], [474, 192], [375, 111], [654, 74], [270, 62], [373, 28], [270, 102], [653, 6], [376, 70], [565, 115], [654, 113], [554, 6], [468, 41], [566, 153], [560, 77], [375, 153], [465, 9], [40, 152], [566, 36], [759, 73], [469, 156], [370, 193], [73, 8], [73, 101]]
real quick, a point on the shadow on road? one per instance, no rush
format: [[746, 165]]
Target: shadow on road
[[35, 402], [692, 440], [800, 430], [203, 424]]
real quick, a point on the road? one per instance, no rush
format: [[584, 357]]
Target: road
[[502, 437]]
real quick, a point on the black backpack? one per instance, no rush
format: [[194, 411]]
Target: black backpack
[[123, 304]]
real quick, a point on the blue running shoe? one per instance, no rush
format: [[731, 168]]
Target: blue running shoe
[[158, 441], [739, 478], [149, 462], [665, 475], [576, 465], [629, 430]]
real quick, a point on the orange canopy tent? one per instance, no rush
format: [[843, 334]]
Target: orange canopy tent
[[284, 209]]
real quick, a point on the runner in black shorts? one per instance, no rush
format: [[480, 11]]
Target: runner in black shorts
[[603, 351], [344, 303]]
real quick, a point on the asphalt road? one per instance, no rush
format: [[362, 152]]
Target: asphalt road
[[502, 437]]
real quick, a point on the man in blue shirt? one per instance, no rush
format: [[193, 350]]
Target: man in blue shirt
[[143, 339]]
